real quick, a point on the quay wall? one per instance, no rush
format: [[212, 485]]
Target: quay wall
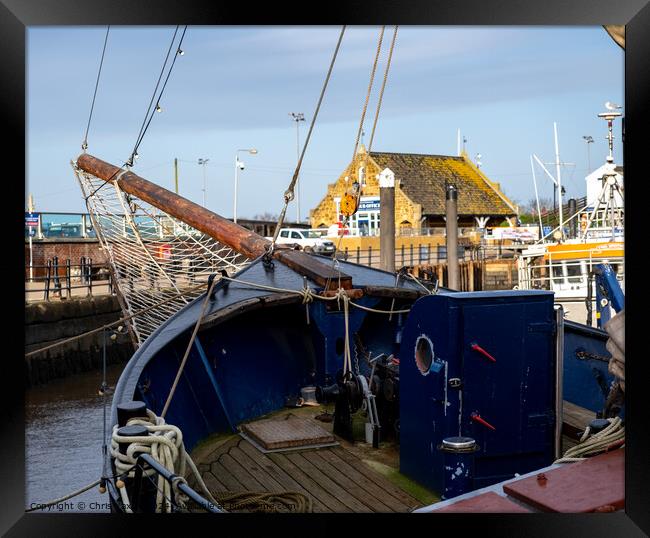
[[52, 321]]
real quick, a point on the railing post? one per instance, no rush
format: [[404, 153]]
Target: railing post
[[370, 256], [57, 282], [358, 255], [68, 278], [411, 249], [90, 276], [46, 291]]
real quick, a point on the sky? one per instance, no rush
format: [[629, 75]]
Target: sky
[[235, 87]]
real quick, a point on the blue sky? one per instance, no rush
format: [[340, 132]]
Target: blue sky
[[235, 86]]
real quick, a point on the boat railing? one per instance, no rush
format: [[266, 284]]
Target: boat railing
[[173, 479], [558, 273], [591, 223]]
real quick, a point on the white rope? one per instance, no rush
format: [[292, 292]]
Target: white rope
[[347, 358], [308, 295], [165, 444], [590, 445]]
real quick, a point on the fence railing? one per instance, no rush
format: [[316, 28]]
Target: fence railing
[[62, 279], [422, 254]]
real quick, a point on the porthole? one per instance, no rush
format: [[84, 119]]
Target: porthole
[[423, 354]]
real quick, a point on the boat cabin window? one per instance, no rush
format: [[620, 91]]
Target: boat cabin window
[[423, 354], [574, 272]]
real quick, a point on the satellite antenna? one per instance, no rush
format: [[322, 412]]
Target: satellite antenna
[[610, 116]]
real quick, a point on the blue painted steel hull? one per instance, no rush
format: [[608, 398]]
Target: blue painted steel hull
[[255, 348]]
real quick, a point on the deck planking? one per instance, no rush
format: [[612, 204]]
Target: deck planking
[[333, 478]]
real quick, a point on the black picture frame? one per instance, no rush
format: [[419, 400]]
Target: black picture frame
[[16, 15]]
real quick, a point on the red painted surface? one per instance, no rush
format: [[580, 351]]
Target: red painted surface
[[486, 503], [477, 418], [596, 484], [478, 348]]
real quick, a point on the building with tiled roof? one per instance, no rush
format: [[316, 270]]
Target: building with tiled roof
[[420, 186]]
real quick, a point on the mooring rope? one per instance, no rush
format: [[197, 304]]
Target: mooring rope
[[118, 322], [293, 501], [165, 444], [613, 436], [40, 506]]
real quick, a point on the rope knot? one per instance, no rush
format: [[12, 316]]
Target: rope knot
[[307, 295]]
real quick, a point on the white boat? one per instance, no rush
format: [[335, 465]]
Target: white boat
[[564, 259]]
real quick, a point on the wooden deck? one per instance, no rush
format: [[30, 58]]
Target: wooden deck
[[334, 478], [575, 420], [342, 478]]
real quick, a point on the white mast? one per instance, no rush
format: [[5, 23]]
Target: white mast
[[559, 179], [539, 213]]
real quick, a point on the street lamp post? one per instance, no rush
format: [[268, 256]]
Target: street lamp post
[[297, 117], [239, 166], [589, 140], [203, 162]]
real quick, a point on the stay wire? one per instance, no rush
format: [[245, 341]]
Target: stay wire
[[153, 95], [84, 145], [153, 112], [150, 113], [288, 195], [369, 92]]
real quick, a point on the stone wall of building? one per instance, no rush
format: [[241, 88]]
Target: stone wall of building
[[407, 213]]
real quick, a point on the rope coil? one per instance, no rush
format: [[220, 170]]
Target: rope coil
[[165, 444], [613, 436]]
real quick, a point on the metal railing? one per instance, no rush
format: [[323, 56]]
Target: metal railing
[[60, 279], [422, 254], [138, 485]]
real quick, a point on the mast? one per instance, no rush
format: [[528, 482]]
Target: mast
[[559, 179]]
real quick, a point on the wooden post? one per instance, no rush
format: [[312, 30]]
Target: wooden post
[[452, 235], [471, 275], [387, 220]]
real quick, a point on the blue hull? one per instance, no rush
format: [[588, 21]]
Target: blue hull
[[255, 348]]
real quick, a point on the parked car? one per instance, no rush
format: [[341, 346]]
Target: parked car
[[308, 240]]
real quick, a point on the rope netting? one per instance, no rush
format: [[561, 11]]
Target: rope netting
[[152, 255]]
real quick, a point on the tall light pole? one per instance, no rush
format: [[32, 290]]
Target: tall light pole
[[589, 140], [297, 117], [239, 166], [203, 162]]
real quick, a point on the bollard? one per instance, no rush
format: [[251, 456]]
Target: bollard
[[129, 410], [458, 465]]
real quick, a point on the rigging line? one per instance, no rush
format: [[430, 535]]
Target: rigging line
[[153, 112], [129, 162], [381, 92], [153, 95], [84, 145], [370, 84], [288, 194]]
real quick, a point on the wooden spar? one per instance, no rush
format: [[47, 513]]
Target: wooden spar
[[236, 237], [223, 230]]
